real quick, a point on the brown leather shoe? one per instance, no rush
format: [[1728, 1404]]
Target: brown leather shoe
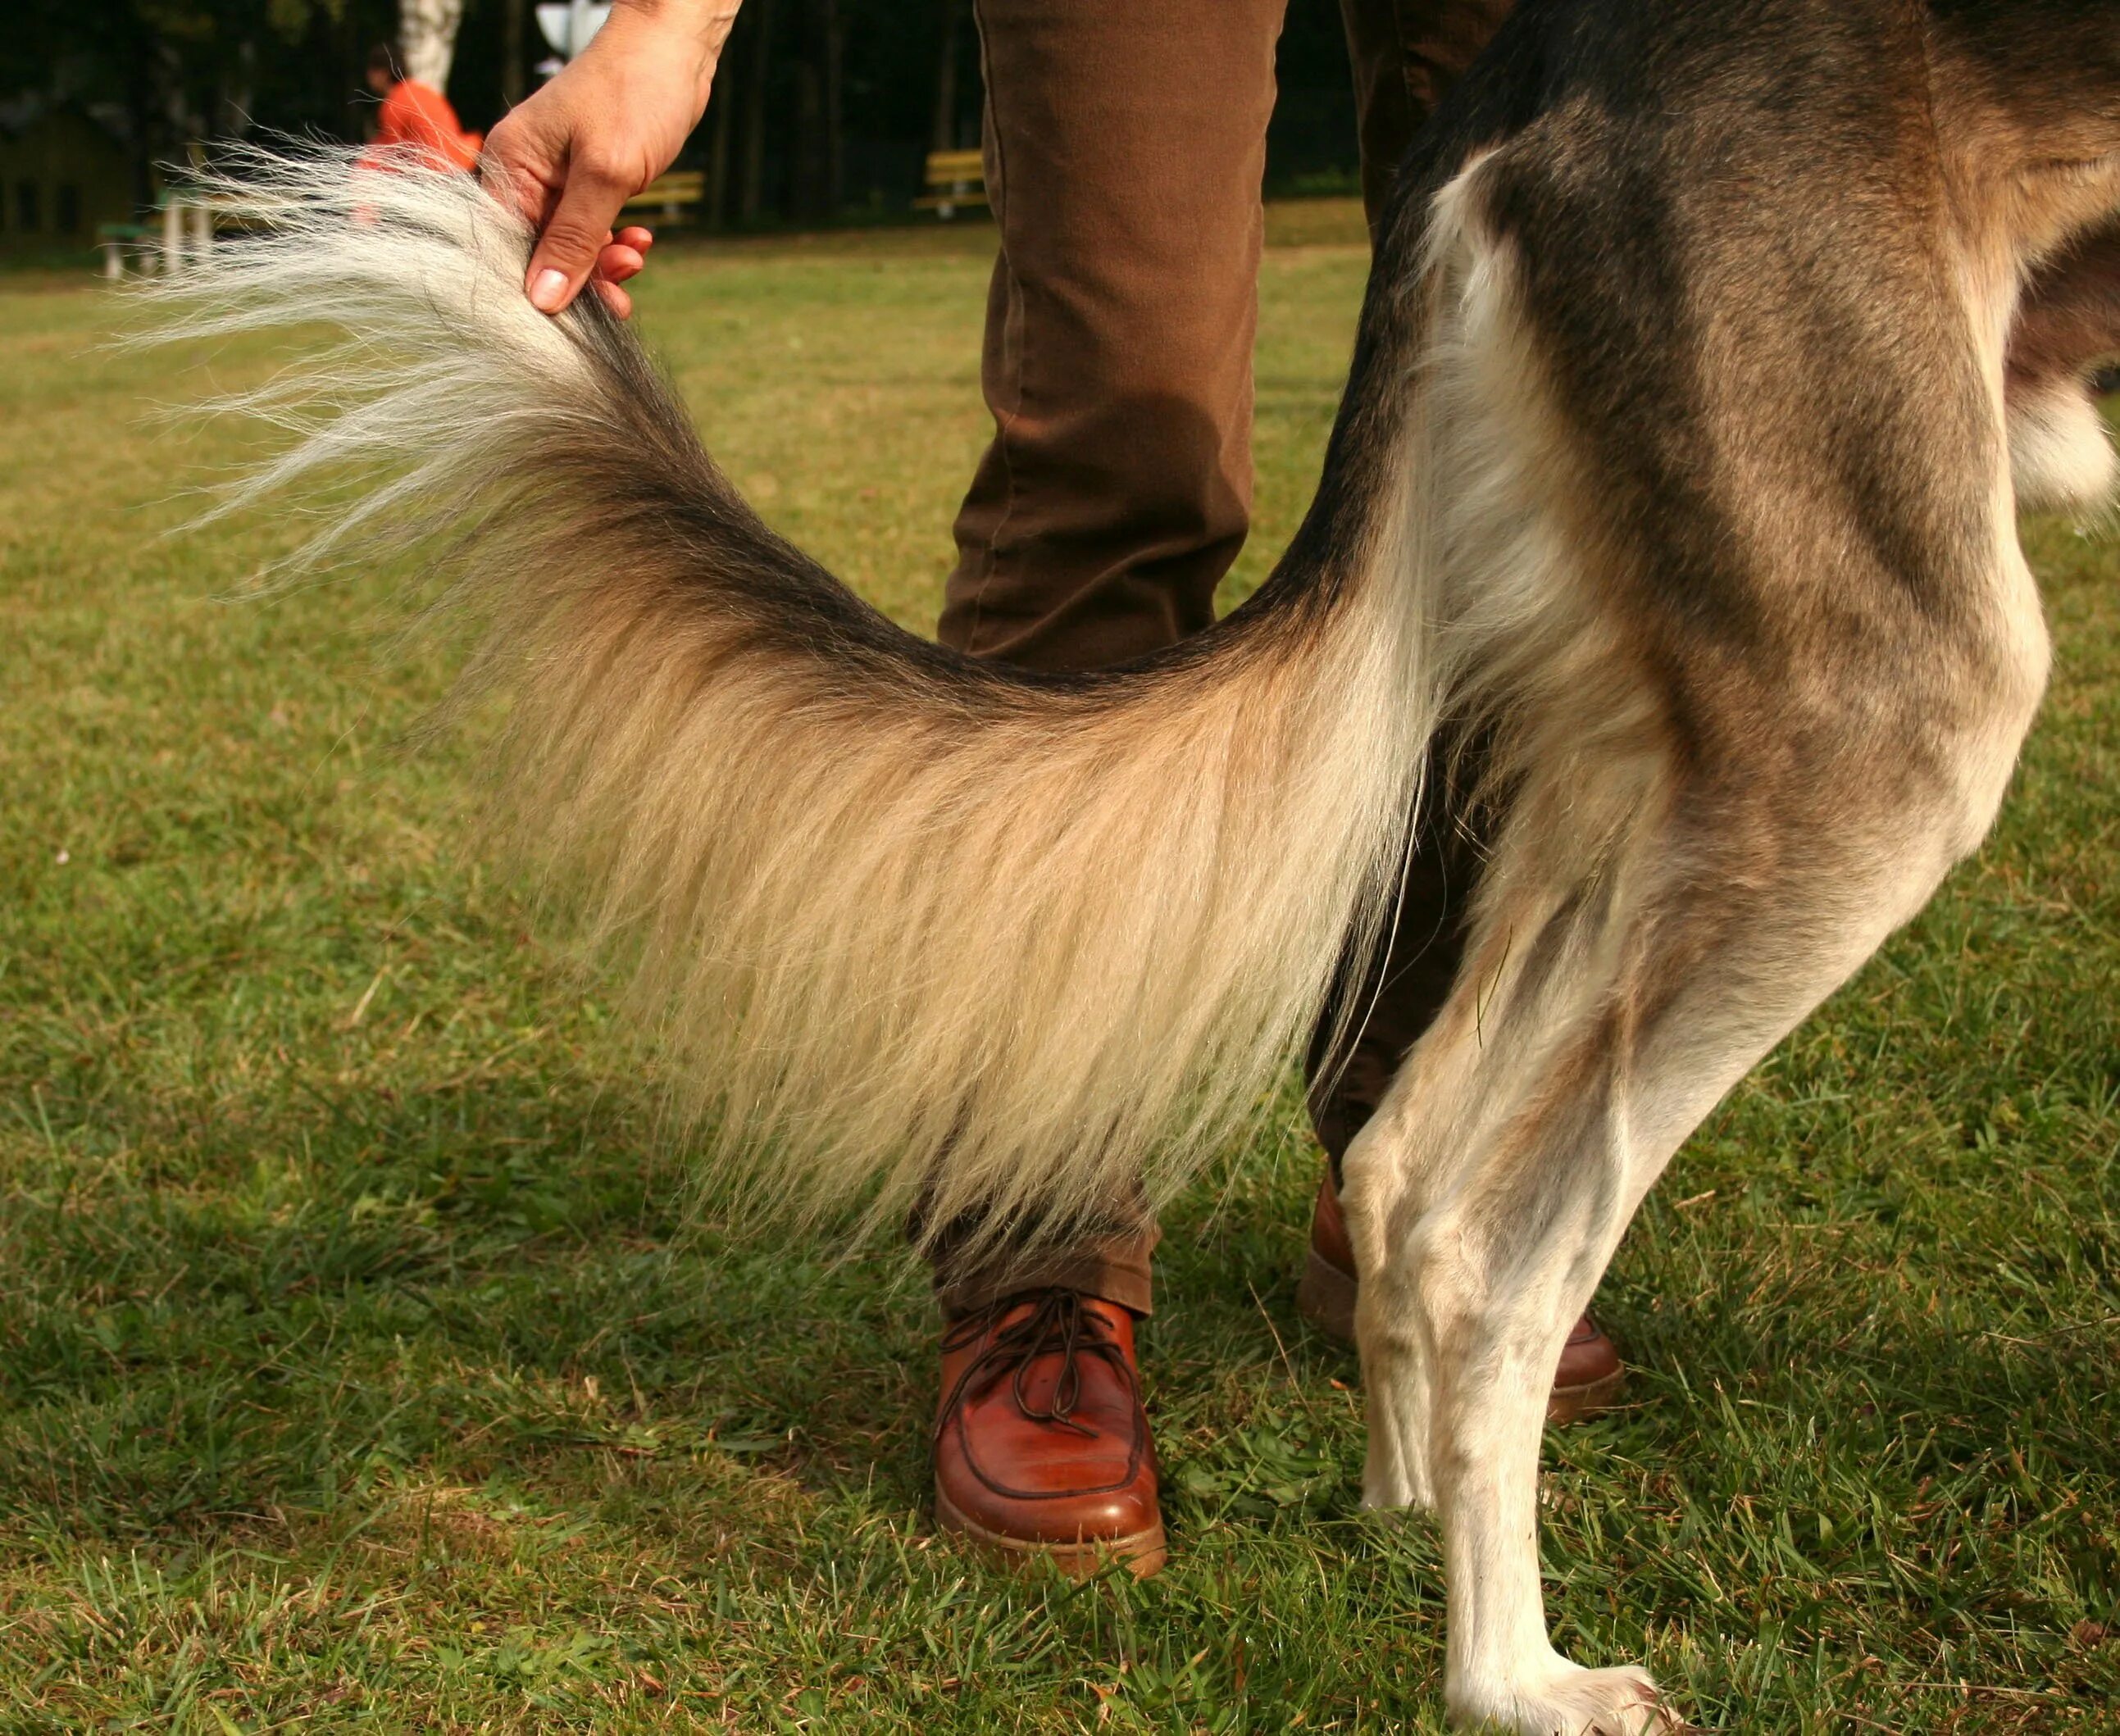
[[1587, 1381], [1042, 1449]]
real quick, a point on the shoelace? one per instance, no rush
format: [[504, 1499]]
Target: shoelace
[[1058, 1321]]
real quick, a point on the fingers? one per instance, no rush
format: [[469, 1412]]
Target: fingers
[[617, 263], [574, 235]]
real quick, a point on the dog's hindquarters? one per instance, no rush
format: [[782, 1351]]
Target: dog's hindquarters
[[1773, 686]]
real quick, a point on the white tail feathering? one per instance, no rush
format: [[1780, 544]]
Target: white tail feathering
[[915, 929]]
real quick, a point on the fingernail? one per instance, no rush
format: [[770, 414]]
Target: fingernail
[[548, 291]]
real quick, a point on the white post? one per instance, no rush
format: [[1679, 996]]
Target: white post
[[172, 234], [202, 239], [113, 256], [427, 39], [570, 25]]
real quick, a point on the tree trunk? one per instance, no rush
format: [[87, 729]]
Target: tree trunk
[[512, 82], [756, 99], [834, 188], [722, 102], [427, 39], [813, 135], [237, 89], [805, 142], [942, 135]]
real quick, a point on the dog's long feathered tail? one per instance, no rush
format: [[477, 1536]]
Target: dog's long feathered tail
[[908, 919]]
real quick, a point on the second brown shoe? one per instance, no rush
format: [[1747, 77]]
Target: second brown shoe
[[1587, 1381], [1042, 1449]]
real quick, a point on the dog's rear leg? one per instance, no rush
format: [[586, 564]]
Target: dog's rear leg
[[1616, 986]]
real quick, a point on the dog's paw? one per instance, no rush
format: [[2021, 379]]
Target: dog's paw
[[1567, 1700]]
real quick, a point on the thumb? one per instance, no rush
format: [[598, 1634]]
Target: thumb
[[566, 252]]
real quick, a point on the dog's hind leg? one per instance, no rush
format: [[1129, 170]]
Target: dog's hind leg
[[1650, 924]]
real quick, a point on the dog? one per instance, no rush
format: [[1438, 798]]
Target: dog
[[1710, 348]]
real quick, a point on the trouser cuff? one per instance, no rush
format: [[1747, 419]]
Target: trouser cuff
[[1115, 1268]]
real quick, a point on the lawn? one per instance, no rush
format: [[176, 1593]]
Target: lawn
[[363, 1363]]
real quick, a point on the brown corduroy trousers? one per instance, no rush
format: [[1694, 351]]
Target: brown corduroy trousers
[[1125, 144]]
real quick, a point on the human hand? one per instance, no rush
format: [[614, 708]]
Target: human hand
[[571, 155], [623, 255]]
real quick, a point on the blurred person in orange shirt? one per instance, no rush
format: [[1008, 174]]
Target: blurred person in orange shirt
[[416, 116]]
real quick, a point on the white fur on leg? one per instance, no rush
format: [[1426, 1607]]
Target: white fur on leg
[[1461, 1322], [1397, 1409], [1502, 1671], [1395, 1472], [1567, 1700], [2060, 454], [1496, 1325]]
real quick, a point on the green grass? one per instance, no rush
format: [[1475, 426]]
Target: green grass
[[361, 1363]]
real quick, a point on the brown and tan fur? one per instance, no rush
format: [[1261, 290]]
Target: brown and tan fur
[[1710, 348], [1765, 405]]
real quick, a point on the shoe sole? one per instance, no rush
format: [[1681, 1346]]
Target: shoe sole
[[1142, 1554], [1326, 1298]]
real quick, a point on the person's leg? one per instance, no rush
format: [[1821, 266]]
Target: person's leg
[[1405, 54], [1125, 149], [1110, 1258]]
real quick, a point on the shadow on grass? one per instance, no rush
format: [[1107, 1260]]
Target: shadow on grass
[[468, 1276], [492, 1297], [449, 1273]]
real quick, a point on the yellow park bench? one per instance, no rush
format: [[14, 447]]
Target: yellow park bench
[[954, 178], [671, 193]]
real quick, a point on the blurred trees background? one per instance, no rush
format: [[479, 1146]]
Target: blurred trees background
[[825, 109]]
